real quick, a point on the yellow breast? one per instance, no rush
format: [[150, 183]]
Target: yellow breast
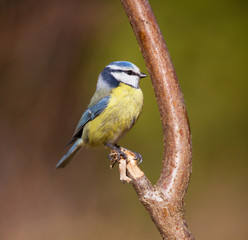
[[123, 110]]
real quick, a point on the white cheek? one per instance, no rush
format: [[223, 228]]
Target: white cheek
[[128, 79], [101, 84]]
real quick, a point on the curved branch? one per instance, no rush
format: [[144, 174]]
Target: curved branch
[[165, 200]]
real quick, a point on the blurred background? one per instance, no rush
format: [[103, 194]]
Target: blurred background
[[51, 53]]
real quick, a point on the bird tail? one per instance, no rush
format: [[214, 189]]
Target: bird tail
[[70, 154]]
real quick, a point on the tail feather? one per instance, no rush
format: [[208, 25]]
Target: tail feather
[[70, 154]]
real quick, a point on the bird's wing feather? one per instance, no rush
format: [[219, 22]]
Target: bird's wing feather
[[90, 114]]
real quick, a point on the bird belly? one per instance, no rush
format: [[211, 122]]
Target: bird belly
[[123, 110]]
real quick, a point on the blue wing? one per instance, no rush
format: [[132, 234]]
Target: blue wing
[[90, 114]]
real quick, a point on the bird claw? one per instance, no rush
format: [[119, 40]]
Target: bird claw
[[112, 158], [115, 156], [137, 156]]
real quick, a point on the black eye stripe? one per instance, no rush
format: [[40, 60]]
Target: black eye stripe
[[129, 72]]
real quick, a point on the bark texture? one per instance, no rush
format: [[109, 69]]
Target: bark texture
[[165, 200]]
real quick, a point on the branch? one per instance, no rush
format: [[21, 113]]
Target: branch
[[165, 200]]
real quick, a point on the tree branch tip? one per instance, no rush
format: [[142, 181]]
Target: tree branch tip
[[123, 171]]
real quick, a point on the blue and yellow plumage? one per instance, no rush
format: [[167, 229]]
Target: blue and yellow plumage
[[114, 108]]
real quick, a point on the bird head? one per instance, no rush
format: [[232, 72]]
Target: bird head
[[120, 72]]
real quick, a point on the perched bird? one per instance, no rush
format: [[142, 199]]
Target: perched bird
[[114, 108]]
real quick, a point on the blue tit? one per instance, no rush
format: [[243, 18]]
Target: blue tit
[[114, 108]]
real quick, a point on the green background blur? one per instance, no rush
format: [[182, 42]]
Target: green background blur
[[51, 53]]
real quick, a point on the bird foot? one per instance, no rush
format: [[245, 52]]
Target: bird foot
[[137, 156], [116, 154], [113, 157]]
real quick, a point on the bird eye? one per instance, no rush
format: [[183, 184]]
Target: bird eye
[[129, 72]]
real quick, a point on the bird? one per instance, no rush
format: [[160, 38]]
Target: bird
[[114, 108]]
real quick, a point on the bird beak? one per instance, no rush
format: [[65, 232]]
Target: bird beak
[[142, 75]]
